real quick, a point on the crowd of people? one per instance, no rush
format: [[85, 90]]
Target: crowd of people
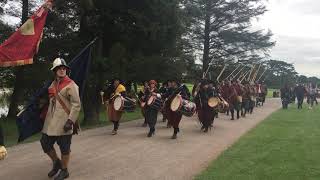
[[299, 92], [173, 100]]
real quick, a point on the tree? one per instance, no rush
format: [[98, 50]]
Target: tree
[[6, 74], [280, 73], [221, 30], [137, 40]]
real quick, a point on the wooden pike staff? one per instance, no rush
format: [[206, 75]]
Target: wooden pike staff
[[238, 72], [248, 79], [245, 75], [256, 73], [207, 70], [232, 72], [223, 69], [262, 74]]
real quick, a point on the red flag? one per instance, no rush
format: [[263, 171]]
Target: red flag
[[22, 45]]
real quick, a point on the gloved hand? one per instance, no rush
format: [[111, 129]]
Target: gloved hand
[[68, 126], [3, 152]]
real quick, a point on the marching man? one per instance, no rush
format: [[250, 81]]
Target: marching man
[[59, 125]]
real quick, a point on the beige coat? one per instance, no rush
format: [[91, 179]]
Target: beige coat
[[57, 117]]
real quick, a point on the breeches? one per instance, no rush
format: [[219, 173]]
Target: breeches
[[151, 116], [64, 143]]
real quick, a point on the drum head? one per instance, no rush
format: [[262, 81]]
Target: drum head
[[118, 103], [150, 100], [213, 102], [176, 103]]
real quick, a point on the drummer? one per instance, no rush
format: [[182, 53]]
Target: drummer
[[113, 115], [215, 91], [205, 112], [151, 113], [142, 98], [174, 118]]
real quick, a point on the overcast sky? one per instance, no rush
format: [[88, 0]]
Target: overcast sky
[[296, 28]]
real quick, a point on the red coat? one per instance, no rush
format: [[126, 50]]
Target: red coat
[[233, 95], [239, 89], [225, 91]]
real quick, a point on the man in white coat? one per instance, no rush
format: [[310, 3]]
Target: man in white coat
[[63, 111]]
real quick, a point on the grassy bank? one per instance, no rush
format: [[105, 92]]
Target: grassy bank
[[11, 132], [285, 146]]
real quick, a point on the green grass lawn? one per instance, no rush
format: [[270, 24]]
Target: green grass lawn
[[11, 132], [286, 146]]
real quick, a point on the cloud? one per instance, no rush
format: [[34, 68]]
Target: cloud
[[295, 25], [306, 7]]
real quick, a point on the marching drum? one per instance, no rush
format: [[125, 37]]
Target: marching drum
[[239, 99], [155, 102], [223, 106], [124, 104], [183, 106], [213, 102], [3, 152]]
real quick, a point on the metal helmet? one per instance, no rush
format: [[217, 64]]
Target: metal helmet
[[59, 62]]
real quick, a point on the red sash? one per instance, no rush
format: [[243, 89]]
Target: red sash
[[52, 91]]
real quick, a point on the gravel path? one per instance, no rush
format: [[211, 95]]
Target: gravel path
[[96, 155]]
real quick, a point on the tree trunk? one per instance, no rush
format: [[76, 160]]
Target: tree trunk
[[206, 43], [19, 72], [91, 105]]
